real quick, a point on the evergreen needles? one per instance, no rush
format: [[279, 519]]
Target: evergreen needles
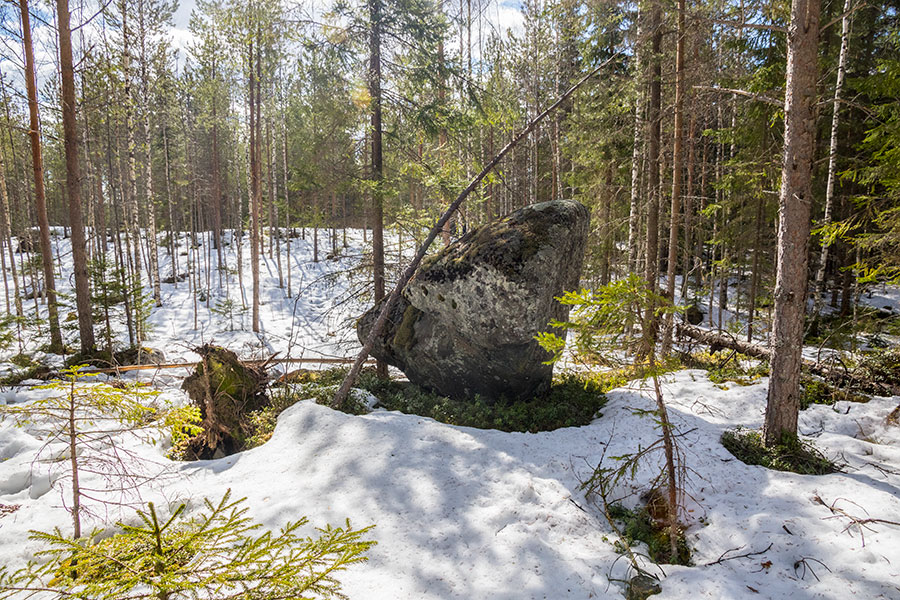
[[791, 454], [215, 555]]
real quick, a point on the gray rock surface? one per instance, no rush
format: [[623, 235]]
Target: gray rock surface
[[466, 321]]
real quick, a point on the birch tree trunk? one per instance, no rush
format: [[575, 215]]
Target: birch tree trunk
[[832, 161]]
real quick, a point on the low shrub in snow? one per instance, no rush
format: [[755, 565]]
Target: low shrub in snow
[[214, 555], [792, 454]]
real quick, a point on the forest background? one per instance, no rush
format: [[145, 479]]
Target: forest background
[[262, 116]]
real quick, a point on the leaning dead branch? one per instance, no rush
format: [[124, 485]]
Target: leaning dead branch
[[344, 390]]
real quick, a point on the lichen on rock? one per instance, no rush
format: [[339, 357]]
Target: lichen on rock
[[465, 323]]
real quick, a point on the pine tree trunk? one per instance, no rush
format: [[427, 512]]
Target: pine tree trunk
[[287, 201], [170, 204], [677, 145], [754, 277], [333, 223], [688, 209], [150, 207], [270, 187], [651, 270], [132, 213], [634, 214], [73, 181], [273, 194], [374, 77], [316, 226], [793, 224], [117, 231], [255, 187], [7, 234], [217, 184], [6, 240], [56, 343]]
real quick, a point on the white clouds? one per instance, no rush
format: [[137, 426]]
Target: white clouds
[[181, 40], [500, 15], [507, 15]]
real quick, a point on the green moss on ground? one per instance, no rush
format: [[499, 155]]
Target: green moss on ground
[[792, 454], [639, 526], [817, 391], [572, 401]]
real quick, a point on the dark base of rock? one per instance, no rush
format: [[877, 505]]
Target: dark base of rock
[[455, 367]]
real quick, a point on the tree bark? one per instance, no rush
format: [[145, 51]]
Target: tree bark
[[132, 214], [287, 201], [37, 161], [217, 183], [677, 155], [832, 161], [651, 268], [377, 174], [793, 223], [634, 217], [754, 276], [150, 207], [255, 188], [6, 225], [73, 180]]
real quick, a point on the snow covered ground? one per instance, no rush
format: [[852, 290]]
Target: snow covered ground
[[476, 514], [316, 320]]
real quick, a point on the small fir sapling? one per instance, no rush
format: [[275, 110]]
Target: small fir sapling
[[602, 321], [83, 427], [215, 555]]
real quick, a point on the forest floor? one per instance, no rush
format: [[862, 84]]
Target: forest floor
[[475, 514]]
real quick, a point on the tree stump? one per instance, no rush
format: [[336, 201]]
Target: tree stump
[[226, 390]]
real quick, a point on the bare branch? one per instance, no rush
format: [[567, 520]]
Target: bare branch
[[841, 16], [722, 558], [344, 389], [745, 93], [746, 25]]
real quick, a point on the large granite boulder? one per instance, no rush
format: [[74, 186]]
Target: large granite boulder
[[466, 321]]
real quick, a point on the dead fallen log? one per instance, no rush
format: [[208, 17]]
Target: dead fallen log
[[191, 365], [723, 340], [839, 376]]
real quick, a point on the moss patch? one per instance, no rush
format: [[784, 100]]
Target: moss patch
[[792, 454], [639, 526], [404, 338], [571, 402], [816, 391]]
